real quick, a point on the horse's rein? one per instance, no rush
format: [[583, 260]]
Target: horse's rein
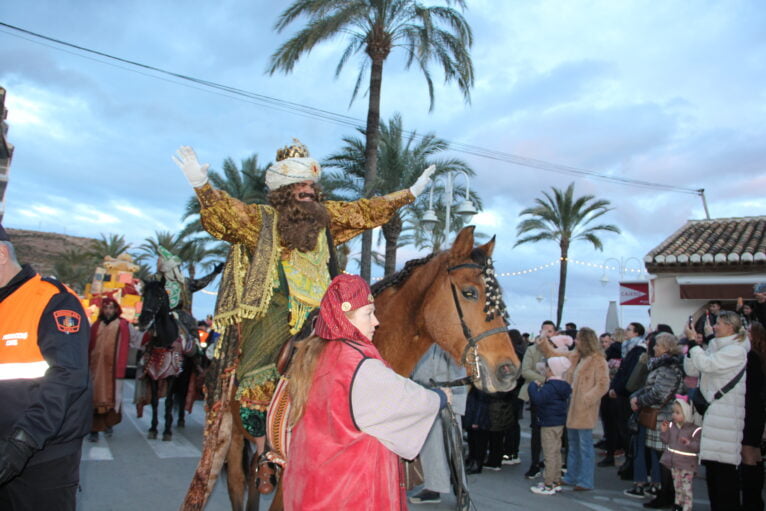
[[151, 322], [472, 341]]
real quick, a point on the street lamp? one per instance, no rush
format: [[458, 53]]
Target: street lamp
[[540, 297], [465, 209], [622, 267]]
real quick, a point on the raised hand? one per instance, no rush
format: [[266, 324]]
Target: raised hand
[[187, 161], [422, 181]]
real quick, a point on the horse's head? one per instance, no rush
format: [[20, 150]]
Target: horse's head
[[154, 299], [464, 313], [155, 314]]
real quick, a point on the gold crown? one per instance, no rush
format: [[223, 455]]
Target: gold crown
[[297, 150]]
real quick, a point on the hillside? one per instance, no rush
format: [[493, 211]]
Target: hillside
[[42, 249]]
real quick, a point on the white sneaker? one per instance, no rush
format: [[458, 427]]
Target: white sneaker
[[544, 489], [511, 460]]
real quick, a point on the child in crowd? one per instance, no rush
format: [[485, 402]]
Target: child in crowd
[[683, 439], [552, 402]]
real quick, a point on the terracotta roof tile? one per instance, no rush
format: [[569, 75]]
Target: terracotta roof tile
[[722, 242]]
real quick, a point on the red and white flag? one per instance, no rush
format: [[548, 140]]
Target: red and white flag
[[634, 293]]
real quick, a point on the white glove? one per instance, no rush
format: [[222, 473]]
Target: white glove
[[186, 159], [422, 181]]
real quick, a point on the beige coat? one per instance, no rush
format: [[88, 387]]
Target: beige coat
[[589, 384], [529, 370]]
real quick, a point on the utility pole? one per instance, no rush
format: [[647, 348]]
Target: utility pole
[[701, 191]]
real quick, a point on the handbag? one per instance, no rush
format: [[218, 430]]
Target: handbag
[[647, 415], [701, 404], [413, 473]]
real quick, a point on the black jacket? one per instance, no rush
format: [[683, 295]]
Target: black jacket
[[552, 401], [56, 410], [755, 401], [664, 381], [620, 379]]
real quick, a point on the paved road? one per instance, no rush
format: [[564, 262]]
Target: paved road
[[128, 472]]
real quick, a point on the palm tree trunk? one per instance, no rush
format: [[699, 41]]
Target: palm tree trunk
[[562, 283], [391, 232], [371, 156]]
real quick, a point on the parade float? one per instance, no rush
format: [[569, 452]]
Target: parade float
[[114, 278]]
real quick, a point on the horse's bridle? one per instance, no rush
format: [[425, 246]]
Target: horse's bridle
[[151, 321], [154, 313], [472, 340]]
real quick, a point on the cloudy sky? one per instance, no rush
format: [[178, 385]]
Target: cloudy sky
[[666, 92]]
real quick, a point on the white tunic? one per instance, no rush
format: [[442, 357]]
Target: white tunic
[[395, 410]]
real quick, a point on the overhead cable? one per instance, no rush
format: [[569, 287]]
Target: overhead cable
[[340, 119]]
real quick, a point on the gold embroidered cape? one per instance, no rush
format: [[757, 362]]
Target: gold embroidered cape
[[251, 272]]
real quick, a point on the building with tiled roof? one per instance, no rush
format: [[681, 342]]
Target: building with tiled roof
[[716, 259], [6, 153]]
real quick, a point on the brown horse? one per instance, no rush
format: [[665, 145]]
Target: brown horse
[[450, 298]]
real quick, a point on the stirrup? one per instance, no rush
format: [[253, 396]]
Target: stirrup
[[266, 477]]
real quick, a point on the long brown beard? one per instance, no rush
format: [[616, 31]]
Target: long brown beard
[[300, 222]]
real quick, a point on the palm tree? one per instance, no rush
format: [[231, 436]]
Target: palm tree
[[564, 219], [401, 158], [376, 27], [192, 251], [74, 270], [112, 245]]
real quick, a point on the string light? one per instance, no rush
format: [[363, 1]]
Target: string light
[[533, 269], [569, 260]]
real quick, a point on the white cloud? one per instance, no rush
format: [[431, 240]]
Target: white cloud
[[672, 94], [47, 210]]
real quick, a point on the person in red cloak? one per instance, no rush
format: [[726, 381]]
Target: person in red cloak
[[352, 415], [108, 358]]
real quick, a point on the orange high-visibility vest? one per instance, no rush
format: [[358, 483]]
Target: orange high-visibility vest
[[20, 314]]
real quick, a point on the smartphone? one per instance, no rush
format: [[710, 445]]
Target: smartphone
[[691, 321]]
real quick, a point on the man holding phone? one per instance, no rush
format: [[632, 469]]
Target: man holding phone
[[530, 371], [706, 321]]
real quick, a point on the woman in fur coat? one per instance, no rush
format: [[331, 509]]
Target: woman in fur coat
[[590, 381]]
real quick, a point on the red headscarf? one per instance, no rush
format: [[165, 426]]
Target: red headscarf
[[109, 299], [345, 294]]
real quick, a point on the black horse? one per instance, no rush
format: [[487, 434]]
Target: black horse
[[162, 352]]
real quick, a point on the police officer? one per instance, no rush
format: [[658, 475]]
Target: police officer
[[44, 388]]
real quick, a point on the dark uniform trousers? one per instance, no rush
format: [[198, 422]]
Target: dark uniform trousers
[[50, 485]]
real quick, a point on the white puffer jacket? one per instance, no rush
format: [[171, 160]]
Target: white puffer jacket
[[723, 422]]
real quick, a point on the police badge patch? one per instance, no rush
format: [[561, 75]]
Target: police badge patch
[[67, 321]]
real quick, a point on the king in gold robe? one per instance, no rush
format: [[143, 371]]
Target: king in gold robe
[[277, 272]]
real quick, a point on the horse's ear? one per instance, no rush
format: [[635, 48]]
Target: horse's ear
[[463, 245], [488, 247]]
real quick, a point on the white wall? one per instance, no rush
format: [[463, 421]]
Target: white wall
[[668, 307]]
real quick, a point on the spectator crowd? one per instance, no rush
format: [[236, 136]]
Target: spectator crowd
[[673, 404]]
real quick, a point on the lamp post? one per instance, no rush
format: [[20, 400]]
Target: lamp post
[[622, 267], [465, 209], [540, 298]]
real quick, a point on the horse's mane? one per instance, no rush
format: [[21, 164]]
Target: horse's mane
[[400, 277], [396, 279]]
